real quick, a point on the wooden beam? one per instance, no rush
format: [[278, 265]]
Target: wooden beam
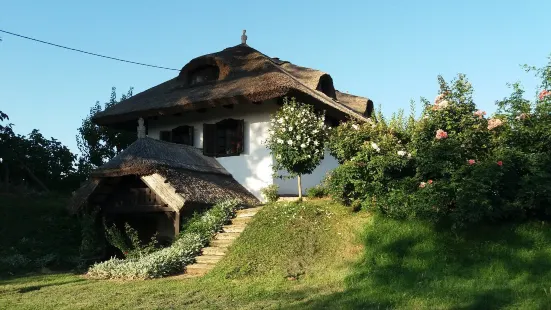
[[202, 110], [228, 106], [176, 224], [164, 190], [138, 209]]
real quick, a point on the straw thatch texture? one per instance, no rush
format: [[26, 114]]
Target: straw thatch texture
[[359, 104], [245, 75], [197, 178], [207, 188], [146, 155]]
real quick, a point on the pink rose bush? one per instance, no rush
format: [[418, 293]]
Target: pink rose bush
[[454, 163], [494, 123], [543, 94], [441, 134], [479, 113]]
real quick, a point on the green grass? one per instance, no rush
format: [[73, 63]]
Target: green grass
[[288, 255], [415, 265], [321, 256]]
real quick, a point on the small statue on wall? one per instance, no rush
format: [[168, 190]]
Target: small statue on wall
[[141, 128]]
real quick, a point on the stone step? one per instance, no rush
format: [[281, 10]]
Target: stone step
[[241, 220], [215, 251], [233, 228], [250, 212], [208, 259], [221, 243], [198, 269], [226, 236]]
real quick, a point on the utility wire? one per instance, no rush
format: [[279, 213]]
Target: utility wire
[[81, 51]]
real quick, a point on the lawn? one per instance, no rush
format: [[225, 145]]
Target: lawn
[[318, 255]]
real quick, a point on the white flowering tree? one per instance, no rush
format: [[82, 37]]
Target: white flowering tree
[[297, 139]]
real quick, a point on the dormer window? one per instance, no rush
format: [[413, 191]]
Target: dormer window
[[203, 74], [325, 85]]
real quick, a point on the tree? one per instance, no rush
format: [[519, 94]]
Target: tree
[[47, 162], [98, 144], [297, 139]]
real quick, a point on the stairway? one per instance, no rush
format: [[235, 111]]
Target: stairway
[[218, 247]]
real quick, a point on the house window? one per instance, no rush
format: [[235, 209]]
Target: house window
[[203, 74], [180, 135], [225, 138]]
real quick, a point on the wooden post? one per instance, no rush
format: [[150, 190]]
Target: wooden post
[[176, 224]]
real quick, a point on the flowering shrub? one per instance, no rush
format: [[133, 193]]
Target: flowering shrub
[[375, 160], [452, 164], [297, 139], [195, 235]]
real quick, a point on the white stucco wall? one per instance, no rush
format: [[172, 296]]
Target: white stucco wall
[[253, 168], [290, 186]]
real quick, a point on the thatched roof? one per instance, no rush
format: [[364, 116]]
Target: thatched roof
[[146, 155], [360, 104], [197, 178], [244, 75]]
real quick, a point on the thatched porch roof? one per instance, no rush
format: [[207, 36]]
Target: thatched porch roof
[[182, 170], [244, 75]]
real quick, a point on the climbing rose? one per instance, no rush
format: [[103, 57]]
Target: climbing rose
[[438, 99], [471, 161], [441, 134], [521, 117], [402, 153], [544, 93], [500, 163], [494, 122], [422, 185], [480, 113], [430, 181]]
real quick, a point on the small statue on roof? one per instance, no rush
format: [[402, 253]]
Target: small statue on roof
[[244, 37], [141, 128]]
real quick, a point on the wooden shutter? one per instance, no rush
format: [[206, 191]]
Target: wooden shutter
[[209, 139], [165, 136], [240, 136], [183, 135]]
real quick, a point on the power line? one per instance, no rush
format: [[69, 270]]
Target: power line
[[89, 53]]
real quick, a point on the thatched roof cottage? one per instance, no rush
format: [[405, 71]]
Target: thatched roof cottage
[[205, 129]]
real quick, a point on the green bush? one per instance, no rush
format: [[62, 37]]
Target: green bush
[[130, 244], [31, 228], [270, 192], [453, 164], [318, 191], [173, 259]]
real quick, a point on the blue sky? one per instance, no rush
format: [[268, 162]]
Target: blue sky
[[389, 51]]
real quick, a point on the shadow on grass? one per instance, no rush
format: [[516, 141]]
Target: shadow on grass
[[28, 283], [411, 264]]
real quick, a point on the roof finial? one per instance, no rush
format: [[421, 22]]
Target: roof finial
[[141, 128], [244, 37]]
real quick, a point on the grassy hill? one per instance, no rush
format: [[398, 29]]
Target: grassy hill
[[318, 255]]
